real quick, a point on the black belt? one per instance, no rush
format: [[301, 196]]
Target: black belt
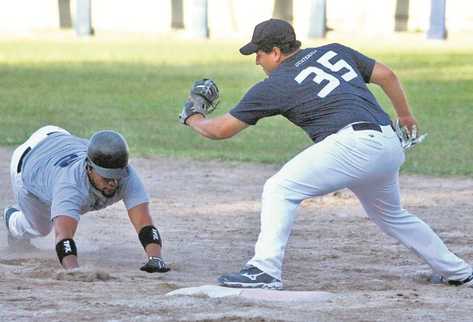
[[366, 126], [20, 162]]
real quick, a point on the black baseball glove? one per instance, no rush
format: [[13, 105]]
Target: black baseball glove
[[203, 99], [155, 264]]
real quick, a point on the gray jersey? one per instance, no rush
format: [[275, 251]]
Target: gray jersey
[[54, 171], [319, 89]]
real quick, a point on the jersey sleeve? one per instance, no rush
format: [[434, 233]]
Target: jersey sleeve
[[67, 201], [259, 102], [134, 192], [364, 64]]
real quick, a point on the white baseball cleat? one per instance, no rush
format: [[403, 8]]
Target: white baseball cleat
[[14, 243]]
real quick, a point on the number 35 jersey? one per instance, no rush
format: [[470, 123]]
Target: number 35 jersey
[[54, 172], [319, 89]]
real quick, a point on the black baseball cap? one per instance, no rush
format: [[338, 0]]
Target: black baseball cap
[[271, 33]]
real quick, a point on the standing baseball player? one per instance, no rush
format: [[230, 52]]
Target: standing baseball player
[[323, 91], [57, 177]]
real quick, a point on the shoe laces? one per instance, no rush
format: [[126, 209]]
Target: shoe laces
[[250, 269]]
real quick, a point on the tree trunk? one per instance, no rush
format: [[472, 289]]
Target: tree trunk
[[402, 15], [437, 28], [83, 18], [65, 20], [318, 20], [283, 10], [177, 14]]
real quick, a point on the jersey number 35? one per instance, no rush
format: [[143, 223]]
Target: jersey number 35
[[321, 75]]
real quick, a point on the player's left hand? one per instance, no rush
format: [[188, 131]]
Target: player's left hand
[[155, 264]]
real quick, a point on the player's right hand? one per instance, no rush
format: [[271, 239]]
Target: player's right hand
[[155, 264], [408, 137], [410, 124]]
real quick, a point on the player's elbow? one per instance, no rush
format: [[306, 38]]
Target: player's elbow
[[389, 77], [226, 129], [383, 75], [221, 134]]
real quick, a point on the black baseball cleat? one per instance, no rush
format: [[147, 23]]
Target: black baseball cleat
[[250, 277], [467, 282], [14, 243]]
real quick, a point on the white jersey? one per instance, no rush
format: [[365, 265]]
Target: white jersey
[[54, 171]]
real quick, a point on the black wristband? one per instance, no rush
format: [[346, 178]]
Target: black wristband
[[65, 248], [149, 235]]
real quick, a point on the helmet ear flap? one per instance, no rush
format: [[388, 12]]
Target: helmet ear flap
[[88, 166]]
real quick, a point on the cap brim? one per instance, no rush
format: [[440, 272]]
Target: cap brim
[[248, 49], [110, 173]]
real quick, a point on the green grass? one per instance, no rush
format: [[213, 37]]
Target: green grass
[[137, 86]]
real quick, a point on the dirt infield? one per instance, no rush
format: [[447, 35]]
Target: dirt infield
[[208, 213]]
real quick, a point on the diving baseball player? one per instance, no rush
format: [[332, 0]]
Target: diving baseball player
[[323, 91], [57, 177]]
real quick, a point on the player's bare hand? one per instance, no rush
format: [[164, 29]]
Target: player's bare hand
[[407, 132], [410, 124]]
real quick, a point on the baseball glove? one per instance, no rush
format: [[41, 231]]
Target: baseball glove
[[203, 99], [408, 140]]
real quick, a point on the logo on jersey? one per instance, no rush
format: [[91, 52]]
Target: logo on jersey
[[66, 160], [305, 58]]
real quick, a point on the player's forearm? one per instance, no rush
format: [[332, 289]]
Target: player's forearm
[[70, 262], [149, 238], [383, 76], [393, 89], [66, 250], [141, 218], [208, 128], [153, 250]]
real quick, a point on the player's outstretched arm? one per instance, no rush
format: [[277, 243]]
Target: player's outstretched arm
[[389, 82], [65, 227], [149, 237], [203, 98], [217, 128]]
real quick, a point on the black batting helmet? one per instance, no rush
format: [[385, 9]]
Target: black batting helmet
[[107, 154]]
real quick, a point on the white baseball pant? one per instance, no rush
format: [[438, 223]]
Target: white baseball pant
[[367, 162], [34, 218]]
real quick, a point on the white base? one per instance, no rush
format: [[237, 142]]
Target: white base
[[215, 291]]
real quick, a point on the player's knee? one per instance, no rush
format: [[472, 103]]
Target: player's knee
[[44, 230], [38, 229], [273, 187]]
